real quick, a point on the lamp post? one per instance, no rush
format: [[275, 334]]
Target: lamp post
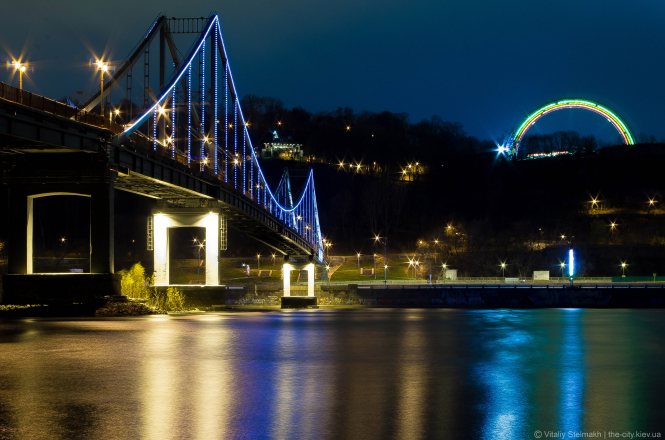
[[258, 262], [375, 266], [385, 258], [562, 266], [358, 262], [444, 271], [623, 270], [199, 246], [102, 67], [328, 273], [273, 261], [20, 67], [503, 270], [415, 270]]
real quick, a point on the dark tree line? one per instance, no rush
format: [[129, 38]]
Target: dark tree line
[[389, 139]]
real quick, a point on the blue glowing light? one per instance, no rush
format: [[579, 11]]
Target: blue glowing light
[[571, 262], [502, 149]]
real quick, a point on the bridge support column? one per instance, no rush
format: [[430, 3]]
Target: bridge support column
[[22, 193], [311, 269], [102, 213], [19, 241], [164, 220], [286, 275]]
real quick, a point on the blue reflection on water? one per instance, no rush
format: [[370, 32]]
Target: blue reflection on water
[[503, 374], [572, 370]]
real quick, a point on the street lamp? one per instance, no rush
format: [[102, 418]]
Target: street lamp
[[375, 266], [20, 67], [199, 246], [358, 262], [102, 67], [623, 270], [258, 262], [503, 270], [273, 261], [385, 258], [562, 266]]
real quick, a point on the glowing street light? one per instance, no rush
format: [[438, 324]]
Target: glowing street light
[[199, 246], [358, 262], [273, 261], [562, 266], [102, 67], [385, 257], [651, 204], [374, 266], [258, 261], [20, 67], [623, 270], [503, 270]]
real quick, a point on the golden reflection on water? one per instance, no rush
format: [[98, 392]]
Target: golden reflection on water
[[412, 382], [213, 382], [159, 376]]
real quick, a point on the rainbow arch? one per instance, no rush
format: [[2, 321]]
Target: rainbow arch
[[621, 126]]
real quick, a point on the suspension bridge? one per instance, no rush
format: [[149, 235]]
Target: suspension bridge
[[187, 145]]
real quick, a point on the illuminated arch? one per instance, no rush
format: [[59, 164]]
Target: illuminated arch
[[622, 127]]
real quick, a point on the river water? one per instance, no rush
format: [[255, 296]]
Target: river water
[[314, 374]]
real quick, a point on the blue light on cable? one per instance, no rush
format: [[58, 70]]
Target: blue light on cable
[[571, 263]]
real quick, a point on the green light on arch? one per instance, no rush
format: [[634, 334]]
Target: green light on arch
[[612, 117]]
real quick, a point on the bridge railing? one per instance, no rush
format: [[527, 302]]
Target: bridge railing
[[47, 105]]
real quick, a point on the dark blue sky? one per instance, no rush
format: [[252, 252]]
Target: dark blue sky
[[482, 63]]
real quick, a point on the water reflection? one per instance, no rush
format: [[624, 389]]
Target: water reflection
[[572, 368], [411, 381], [503, 373], [334, 374]]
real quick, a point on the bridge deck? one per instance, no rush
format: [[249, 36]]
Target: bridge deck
[[33, 125]]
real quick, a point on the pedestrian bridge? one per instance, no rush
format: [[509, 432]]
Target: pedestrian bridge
[[187, 146]]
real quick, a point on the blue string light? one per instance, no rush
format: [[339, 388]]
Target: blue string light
[[154, 130], [189, 114], [202, 56], [173, 121], [214, 50]]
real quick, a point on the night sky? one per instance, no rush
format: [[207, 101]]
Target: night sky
[[484, 64]]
